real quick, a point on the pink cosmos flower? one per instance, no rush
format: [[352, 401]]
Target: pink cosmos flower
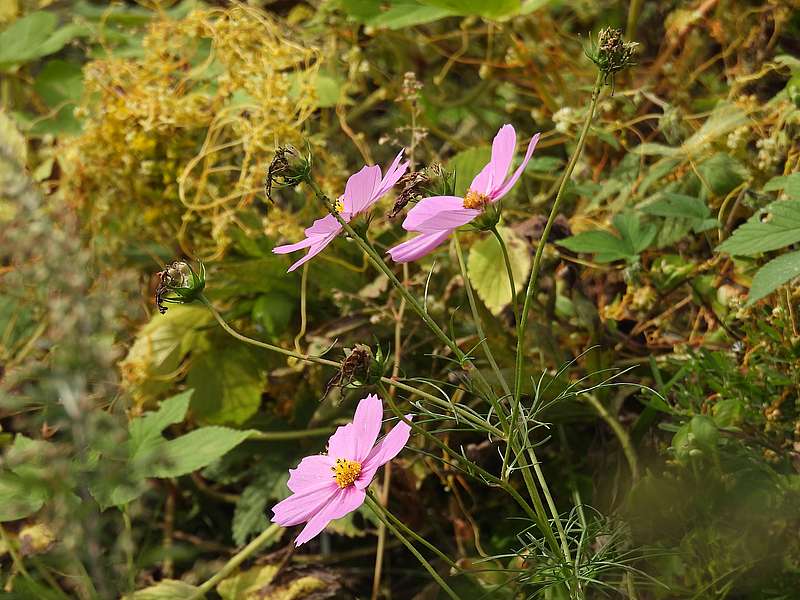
[[329, 486], [362, 191], [435, 218]]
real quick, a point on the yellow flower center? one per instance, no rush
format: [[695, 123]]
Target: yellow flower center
[[345, 472], [339, 206], [475, 200]]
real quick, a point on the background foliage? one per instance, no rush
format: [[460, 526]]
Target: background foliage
[[140, 448]]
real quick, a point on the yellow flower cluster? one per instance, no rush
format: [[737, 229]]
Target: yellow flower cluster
[[176, 140]]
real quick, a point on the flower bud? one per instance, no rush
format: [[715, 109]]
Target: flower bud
[[179, 284], [288, 168]]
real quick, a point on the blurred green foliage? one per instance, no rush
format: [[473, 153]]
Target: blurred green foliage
[[131, 134]]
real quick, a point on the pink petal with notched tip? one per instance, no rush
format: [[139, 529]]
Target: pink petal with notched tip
[[494, 173], [437, 213], [360, 189], [302, 506], [506, 187], [366, 426], [342, 444], [384, 451], [343, 502], [418, 247], [313, 472], [392, 176], [287, 248]]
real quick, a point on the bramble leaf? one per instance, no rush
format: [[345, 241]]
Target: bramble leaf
[[758, 234], [774, 274]]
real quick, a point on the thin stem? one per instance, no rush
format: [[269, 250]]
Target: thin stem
[[279, 436], [529, 293], [477, 319], [379, 512], [509, 272], [413, 302], [405, 529], [269, 436], [619, 431], [267, 535]]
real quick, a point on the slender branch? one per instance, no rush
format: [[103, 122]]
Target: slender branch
[[267, 535], [619, 431], [509, 272], [269, 436], [379, 512]]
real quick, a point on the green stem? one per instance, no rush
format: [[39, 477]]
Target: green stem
[[529, 293], [268, 436], [509, 272], [408, 531], [619, 431], [476, 318], [536, 515], [268, 534], [279, 436], [415, 304], [379, 512]]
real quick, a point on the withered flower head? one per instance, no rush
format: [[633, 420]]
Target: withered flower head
[[359, 367], [612, 53], [288, 168], [433, 180], [179, 284]]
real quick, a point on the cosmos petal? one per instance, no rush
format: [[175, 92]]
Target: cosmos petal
[[384, 451], [341, 503], [417, 247]]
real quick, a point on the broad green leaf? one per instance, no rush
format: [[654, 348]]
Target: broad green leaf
[[228, 384], [148, 427], [18, 497], [606, 246], [160, 347], [195, 450], [680, 206], [467, 164], [274, 312], [60, 85], [167, 589], [722, 173], [634, 237], [34, 36], [246, 584], [403, 13], [774, 274], [487, 270], [481, 8], [759, 235], [788, 183]]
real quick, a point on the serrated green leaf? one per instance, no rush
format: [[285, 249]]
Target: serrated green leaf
[[788, 183], [195, 450], [160, 347], [147, 428], [774, 274], [606, 246], [759, 235], [634, 237], [487, 270], [168, 589], [677, 205]]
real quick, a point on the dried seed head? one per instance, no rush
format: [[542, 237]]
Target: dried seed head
[[178, 283], [288, 168], [612, 53]]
